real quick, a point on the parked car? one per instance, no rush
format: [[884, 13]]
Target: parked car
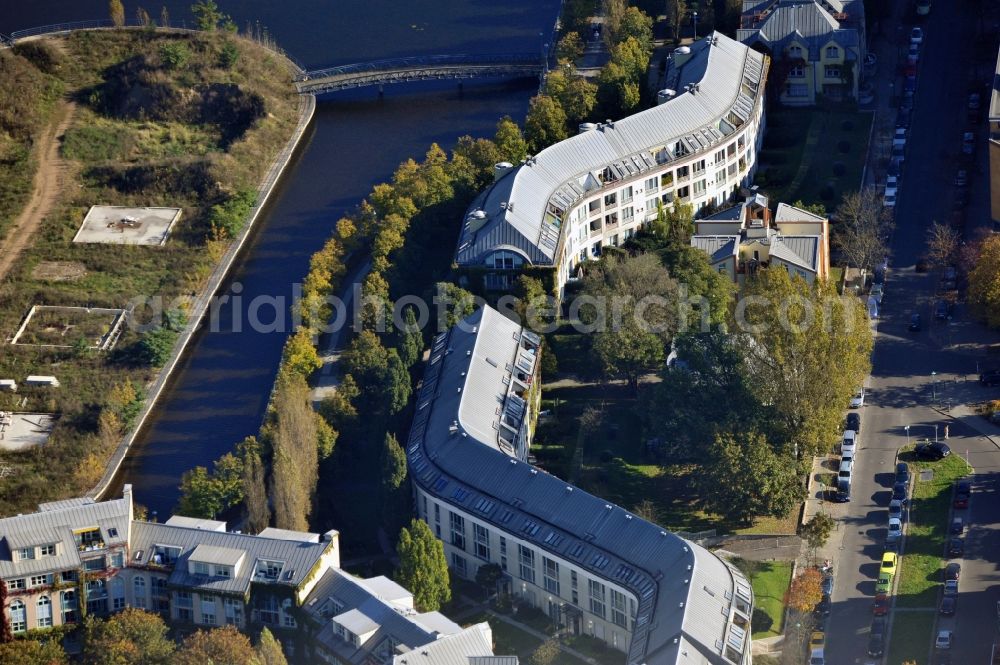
[[968, 143], [952, 571], [932, 451], [853, 422], [858, 400], [889, 561], [973, 105], [822, 608], [923, 7], [846, 467], [884, 582], [951, 588], [817, 640], [942, 310], [876, 292], [889, 200], [903, 118], [899, 492], [876, 639], [956, 546], [944, 640], [903, 473], [898, 154], [895, 530], [827, 584], [849, 443], [881, 605], [843, 494], [913, 54], [917, 36], [914, 323], [948, 606], [957, 526], [962, 492], [896, 509], [990, 377]]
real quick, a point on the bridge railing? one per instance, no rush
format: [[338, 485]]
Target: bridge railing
[[419, 61]]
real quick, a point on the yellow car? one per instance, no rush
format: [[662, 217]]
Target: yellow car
[[817, 640], [889, 561]]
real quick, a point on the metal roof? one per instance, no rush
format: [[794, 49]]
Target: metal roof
[[802, 251], [55, 524], [717, 247], [297, 558], [789, 213], [468, 472], [460, 649], [195, 523], [224, 556], [809, 22], [523, 209]]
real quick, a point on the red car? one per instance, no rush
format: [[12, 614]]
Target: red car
[[881, 605], [962, 492]]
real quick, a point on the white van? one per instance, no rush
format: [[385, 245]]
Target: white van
[[846, 467], [849, 442]]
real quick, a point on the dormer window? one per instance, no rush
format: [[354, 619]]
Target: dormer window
[[47, 550], [26, 553], [165, 555], [224, 571], [200, 568], [88, 539], [795, 52], [269, 570], [832, 52]]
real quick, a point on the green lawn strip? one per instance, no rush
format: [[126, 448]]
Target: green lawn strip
[[841, 153], [910, 639], [770, 583], [920, 566], [510, 640]]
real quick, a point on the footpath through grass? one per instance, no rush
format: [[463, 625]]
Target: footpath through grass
[[920, 566]]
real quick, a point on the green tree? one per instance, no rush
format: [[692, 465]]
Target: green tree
[[472, 162], [423, 568], [229, 54], [381, 373], [534, 307], [817, 530], [635, 24], [487, 576], [545, 124], [808, 350], [156, 346], [575, 95], [130, 637], [199, 495], [393, 483], [218, 646], [117, 12], [814, 208], [411, 339], [546, 654], [676, 13], [207, 15], [635, 315], [338, 408], [509, 140], [984, 282], [33, 652], [707, 295], [254, 485], [453, 304], [745, 479], [269, 650], [569, 48]]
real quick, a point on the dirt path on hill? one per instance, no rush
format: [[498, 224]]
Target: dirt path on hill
[[49, 180]]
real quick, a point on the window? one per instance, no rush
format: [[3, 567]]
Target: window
[[618, 609], [741, 142], [458, 563], [628, 213], [200, 567], [43, 612], [183, 599], [551, 575], [18, 617], [14, 585], [832, 52], [594, 206], [610, 200], [185, 615], [699, 167], [503, 541], [68, 604], [731, 170], [730, 150], [26, 553], [457, 530], [798, 90], [651, 185], [224, 571], [832, 72], [797, 72], [269, 570], [88, 539], [287, 620], [234, 611], [683, 192], [572, 578], [597, 598], [268, 611], [668, 197], [41, 580], [576, 597], [794, 51], [117, 594], [437, 512], [699, 188], [68, 576], [47, 550], [482, 537], [208, 610], [118, 560], [208, 619], [667, 179], [720, 156], [683, 173], [627, 194], [526, 558], [165, 554], [139, 592], [720, 177], [611, 220], [94, 564], [505, 261]]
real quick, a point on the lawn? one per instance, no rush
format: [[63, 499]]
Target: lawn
[[911, 637], [920, 567], [814, 155], [510, 641], [770, 580]]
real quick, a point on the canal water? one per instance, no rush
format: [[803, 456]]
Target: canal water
[[219, 391]]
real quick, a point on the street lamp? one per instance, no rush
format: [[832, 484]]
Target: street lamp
[[694, 15], [907, 429], [934, 386]]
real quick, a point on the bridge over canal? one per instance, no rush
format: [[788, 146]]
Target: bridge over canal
[[418, 68]]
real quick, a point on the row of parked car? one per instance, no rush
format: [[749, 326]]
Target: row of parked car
[[953, 569]]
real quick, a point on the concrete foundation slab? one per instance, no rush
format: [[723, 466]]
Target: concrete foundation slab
[[120, 225]]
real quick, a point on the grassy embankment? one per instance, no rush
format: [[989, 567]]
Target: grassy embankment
[[161, 119]]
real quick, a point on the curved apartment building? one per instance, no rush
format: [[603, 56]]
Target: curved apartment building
[[562, 206], [592, 566]]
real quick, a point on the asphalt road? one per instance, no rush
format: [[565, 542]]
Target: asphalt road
[[902, 387]]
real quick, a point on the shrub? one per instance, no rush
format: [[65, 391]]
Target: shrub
[[156, 345], [229, 55], [229, 217], [174, 55]]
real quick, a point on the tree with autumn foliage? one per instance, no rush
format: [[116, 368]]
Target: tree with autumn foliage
[[805, 591], [219, 646], [131, 637]]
